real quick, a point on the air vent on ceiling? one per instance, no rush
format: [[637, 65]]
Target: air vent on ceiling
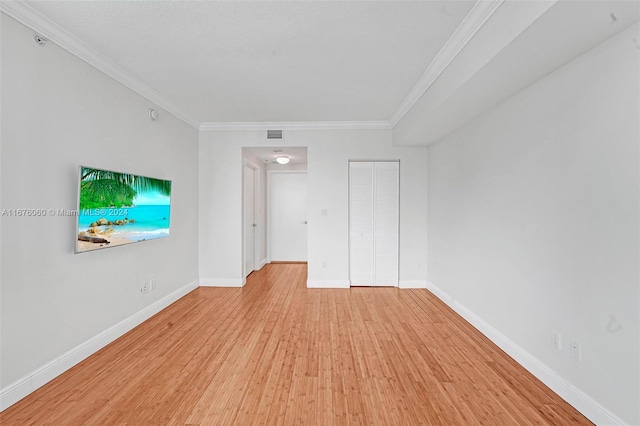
[[274, 134]]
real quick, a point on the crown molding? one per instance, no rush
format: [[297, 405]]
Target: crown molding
[[298, 125], [479, 14], [475, 19], [28, 16]]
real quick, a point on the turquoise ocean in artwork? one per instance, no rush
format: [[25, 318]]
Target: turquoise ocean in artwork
[[150, 221]]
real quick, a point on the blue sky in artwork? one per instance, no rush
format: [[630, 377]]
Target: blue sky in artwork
[[151, 198]]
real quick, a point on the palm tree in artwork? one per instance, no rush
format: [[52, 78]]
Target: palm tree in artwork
[[101, 188]]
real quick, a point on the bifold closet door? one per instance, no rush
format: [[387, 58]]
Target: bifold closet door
[[386, 222], [361, 228], [373, 222]]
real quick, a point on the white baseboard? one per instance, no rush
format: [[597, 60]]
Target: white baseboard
[[28, 384], [567, 391], [346, 284], [262, 263], [222, 282], [328, 284], [412, 284]]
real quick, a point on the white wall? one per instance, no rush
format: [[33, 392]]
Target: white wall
[[328, 154], [59, 112], [534, 222]]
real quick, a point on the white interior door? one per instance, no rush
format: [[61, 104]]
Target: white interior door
[[386, 219], [373, 223], [288, 216], [249, 220], [361, 224]]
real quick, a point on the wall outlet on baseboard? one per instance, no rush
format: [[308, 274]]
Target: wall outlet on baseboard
[[556, 339], [144, 288]]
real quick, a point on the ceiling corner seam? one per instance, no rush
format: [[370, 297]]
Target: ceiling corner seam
[[479, 14], [31, 18]]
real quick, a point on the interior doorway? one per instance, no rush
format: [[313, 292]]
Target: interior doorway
[[259, 165]]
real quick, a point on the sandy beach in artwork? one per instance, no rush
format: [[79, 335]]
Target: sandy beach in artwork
[[82, 246], [104, 233], [98, 235]]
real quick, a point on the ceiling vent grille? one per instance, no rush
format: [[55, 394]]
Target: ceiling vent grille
[[274, 134]]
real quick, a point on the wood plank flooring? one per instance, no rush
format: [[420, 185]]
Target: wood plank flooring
[[277, 353]]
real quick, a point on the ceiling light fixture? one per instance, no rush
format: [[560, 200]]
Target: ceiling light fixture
[[282, 159]]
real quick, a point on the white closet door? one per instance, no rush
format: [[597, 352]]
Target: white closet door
[[373, 223], [386, 212], [361, 241]]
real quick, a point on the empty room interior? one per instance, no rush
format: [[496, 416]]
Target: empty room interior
[[385, 212]]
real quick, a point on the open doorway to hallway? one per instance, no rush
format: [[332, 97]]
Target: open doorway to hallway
[[274, 206]]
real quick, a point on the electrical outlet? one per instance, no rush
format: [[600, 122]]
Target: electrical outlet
[[574, 350], [144, 288], [324, 264], [556, 340], [152, 284]]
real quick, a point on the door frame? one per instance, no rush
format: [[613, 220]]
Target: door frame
[[270, 173], [256, 217]]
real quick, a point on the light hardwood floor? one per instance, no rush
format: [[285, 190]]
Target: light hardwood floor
[[275, 352]]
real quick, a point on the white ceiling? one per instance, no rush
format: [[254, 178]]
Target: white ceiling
[[422, 68], [269, 61], [562, 32]]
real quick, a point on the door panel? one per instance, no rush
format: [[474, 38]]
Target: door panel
[[288, 216], [361, 225], [386, 223], [249, 220]]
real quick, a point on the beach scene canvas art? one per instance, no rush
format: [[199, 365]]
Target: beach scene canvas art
[[120, 208]]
